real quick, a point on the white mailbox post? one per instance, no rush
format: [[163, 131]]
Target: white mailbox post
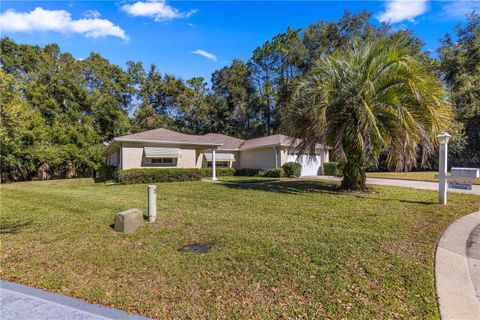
[[152, 203], [442, 167]]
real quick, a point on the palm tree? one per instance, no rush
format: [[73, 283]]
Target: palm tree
[[368, 99]]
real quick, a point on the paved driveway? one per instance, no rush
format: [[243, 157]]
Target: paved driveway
[[457, 269], [19, 302], [426, 185]]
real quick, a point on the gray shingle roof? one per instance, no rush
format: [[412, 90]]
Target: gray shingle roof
[[225, 142], [167, 135], [162, 134], [276, 139], [228, 142]]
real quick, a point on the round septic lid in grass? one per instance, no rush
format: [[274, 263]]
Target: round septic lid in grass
[[195, 248]]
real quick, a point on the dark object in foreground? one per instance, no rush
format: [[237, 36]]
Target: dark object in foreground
[[195, 248], [128, 220]]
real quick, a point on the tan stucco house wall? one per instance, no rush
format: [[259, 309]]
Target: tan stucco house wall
[[129, 152], [261, 158], [202, 162], [133, 156]]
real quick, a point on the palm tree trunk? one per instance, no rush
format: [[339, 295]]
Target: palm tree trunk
[[354, 177]]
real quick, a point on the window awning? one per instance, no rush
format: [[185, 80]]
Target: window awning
[[220, 156], [156, 152]]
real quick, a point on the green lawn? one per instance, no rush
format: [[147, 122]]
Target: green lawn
[[240, 179], [419, 176], [294, 249]]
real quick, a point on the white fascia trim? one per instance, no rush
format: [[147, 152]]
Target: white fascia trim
[[276, 145], [225, 150], [170, 142], [263, 146], [321, 147], [109, 147]]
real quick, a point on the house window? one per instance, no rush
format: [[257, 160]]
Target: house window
[[164, 161], [220, 164]]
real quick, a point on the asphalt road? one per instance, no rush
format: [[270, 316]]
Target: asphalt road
[[425, 185]]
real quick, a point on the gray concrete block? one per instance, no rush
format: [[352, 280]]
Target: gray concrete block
[[128, 220]]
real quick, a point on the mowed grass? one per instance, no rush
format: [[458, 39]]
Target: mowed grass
[[419, 176], [241, 179], [294, 249]]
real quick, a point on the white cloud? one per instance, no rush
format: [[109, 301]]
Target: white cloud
[[205, 54], [41, 20], [159, 10], [91, 14], [400, 10], [459, 9]]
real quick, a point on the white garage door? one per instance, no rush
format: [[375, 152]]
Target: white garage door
[[310, 167]]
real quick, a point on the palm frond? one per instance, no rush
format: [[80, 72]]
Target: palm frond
[[369, 99]]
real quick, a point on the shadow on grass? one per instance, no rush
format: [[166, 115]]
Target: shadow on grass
[[145, 220], [399, 200], [14, 227], [287, 187], [310, 187], [249, 181]]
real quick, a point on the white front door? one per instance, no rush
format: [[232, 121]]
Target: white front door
[[310, 167]]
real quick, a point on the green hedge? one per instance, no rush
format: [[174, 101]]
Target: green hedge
[[332, 169], [292, 169], [221, 172], [156, 175], [273, 173], [248, 172]]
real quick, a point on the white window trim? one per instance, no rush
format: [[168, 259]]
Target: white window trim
[[173, 164]]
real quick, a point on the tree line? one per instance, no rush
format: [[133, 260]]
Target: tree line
[[57, 111]]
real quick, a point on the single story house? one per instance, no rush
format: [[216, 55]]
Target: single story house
[[163, 148]]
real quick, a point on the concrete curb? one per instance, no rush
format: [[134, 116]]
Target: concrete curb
[[457, 269], [41, 301]]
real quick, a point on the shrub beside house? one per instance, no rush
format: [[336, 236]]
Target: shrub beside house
[[158, 175]]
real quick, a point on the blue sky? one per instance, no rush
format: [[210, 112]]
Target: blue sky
[[196, 38]]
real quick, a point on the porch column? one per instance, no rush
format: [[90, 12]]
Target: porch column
[[214, 164], [275, 149]]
